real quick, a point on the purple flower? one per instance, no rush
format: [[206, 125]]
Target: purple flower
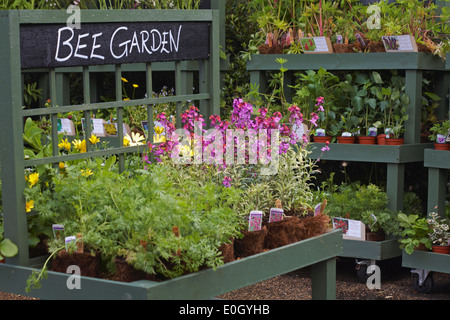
[[227, 182]]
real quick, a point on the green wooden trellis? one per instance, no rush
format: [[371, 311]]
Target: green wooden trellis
[[11, 122]]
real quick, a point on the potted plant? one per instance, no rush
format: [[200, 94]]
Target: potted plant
[[440, 135], [349, 126], [398, 117], [415, 233], [439, 234]]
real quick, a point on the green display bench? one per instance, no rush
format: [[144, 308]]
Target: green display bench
[[423, 265], [318, 252], [414, 64]]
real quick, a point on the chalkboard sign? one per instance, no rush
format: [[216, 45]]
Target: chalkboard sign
[[59, 45]]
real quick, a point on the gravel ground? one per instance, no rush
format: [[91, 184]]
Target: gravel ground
[[396, 284]]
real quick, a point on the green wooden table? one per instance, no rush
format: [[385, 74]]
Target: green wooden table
[[318, 252]]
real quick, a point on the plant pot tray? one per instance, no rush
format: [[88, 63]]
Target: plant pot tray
[[374, 250], [427, 260], [372, 153], [318, 252]]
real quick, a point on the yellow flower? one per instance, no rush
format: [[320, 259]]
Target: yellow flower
[[126, 99], [62, 165], [29, 205], [86, 172], [33, 179], [158, 135], [80, 145], [64, 144], [94, 139], [123, 79], [135, 85], [126, 142], [134, 140]]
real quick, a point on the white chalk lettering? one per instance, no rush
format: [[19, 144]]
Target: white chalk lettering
[[65, 43], [95, 46], [82, 46], [125, 51]]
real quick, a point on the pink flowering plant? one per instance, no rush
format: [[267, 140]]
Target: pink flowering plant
[[289, 181]]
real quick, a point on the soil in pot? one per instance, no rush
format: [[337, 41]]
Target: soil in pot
[[375, 236], [89, 264], [41, 249], [376, 46], [266, 49], [442, 146], [281, 233], [227, 250], [125, 272], [344, 47], [441, 249], [395, 141], [252, 243], [367, 140], [347, 140]]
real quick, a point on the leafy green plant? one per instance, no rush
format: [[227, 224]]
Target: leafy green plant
[[365, 203], [8, 249], [442, 128], [415, 231]]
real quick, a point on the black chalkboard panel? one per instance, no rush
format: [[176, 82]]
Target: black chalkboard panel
[[53, 45]]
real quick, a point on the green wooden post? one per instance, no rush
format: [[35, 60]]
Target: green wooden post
[[214, 66], [394, 185], [437, 186], [11, 137], [323, 278], [413, 89]]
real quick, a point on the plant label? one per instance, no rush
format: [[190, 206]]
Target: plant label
[[58, 231], [276, 214], [69, 240], [255, 221], [111, 129], [66, 126], [97, 127], [402, 43], [352, 229], [316, 45], [373, 132]]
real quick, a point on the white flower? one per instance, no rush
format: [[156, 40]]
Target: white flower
[[135, 139]]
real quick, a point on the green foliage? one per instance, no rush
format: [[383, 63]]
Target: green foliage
[[360, 202], [415, 232], [442, 127], [7, 247], [114, 212], [291, 184]]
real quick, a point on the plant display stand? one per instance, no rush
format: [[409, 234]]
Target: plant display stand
[[413, 64], [367, 253], [424, 263], [318, 252]]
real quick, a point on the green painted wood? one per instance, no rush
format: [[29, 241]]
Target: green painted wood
[[346, 61], [437, 158], [437, 189], [11, 139], [413, 89], [371, 153], [205, 284], [395, 183], [323, 277], [374, 250], [427, 260], [98, 16]]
